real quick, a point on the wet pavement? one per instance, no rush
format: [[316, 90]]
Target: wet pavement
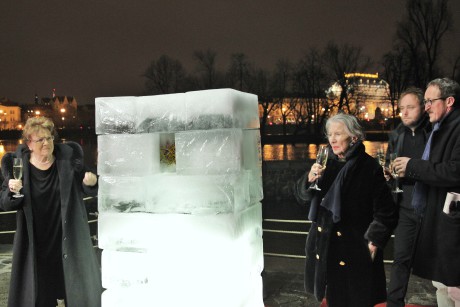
[[283, 283]]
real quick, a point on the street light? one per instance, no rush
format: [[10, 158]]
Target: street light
[[62, 116]]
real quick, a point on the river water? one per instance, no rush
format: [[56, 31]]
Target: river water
[[270, 152]]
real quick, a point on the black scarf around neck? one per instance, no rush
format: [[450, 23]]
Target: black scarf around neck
[[332, 201]]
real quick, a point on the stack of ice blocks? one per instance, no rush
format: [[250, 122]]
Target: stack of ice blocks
[[180, 186]]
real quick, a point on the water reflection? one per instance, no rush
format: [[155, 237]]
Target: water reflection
[[270, 152], [301, 152]]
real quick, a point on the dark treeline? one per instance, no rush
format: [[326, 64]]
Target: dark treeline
[[302, 85]]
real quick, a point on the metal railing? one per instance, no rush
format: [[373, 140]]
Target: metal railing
[[290, 232]]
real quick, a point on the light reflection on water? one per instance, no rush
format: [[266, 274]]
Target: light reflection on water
[[273, 152], [270, 152]]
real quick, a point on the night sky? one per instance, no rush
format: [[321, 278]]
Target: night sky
[[96, 48]]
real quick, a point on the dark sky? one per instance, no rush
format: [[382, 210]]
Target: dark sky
[[96, 48]]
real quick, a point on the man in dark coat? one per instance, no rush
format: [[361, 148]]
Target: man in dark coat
[[80, 266], [407, 140], [437, 173]]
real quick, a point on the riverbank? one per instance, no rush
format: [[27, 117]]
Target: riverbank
[[379, 136]]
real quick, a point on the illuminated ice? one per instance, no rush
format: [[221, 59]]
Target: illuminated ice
[[122, 194], [115, 115], [145, 230], [128, 155], [252, 161], [208, 152], [172, 193], [146, 268], [221, 108], [180, 218], [161, 113]]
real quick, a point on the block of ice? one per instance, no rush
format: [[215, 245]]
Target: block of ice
[[121, 194], [144, 230], [208, 152], [128, 154], [221, 108], [161, 113], [252, 161], [167, 153], [115, 115], [146, 269], [213, 194]]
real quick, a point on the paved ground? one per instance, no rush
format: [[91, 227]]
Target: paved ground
[[283, 283], [283, 280]]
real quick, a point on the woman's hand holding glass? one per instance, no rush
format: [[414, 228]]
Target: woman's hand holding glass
[[15, 184], [315, 172], [318, 168]]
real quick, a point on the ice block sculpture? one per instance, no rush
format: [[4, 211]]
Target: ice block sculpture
[[180, 218]]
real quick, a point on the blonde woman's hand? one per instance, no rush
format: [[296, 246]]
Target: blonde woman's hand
[[15, 185], [90, 179]]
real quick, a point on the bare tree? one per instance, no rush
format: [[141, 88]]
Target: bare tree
[[343, 59], [423, 27], [397, 67], [206, 68], [165, 76], [310, 83], [239, 72], [281, 90], [260, 87]]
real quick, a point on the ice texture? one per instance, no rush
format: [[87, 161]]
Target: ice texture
[[128, 155], [121, 194], [115, 115], [208, 152], [144, 230], [179, 199], [172, 193], [221, 108], [161, 113], [252, 161]]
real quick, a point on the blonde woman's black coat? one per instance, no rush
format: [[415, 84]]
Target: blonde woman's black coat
[[81, 268]]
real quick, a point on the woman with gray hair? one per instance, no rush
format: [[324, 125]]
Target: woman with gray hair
[[353, 215]]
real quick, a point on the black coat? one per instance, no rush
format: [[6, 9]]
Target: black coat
[[396, 145], [437, 255], [368, 213], [81, 268]]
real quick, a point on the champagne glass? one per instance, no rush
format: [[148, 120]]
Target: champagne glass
[[381, 157], [393, 156], [17, 173], [321, 158]]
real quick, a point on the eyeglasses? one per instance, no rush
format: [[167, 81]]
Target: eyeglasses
[[429, 102], [42, 140]]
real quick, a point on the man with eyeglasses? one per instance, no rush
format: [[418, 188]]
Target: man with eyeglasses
[[437, 254], [408, 140]]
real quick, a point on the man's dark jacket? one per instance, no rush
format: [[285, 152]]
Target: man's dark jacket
[[437, 254]]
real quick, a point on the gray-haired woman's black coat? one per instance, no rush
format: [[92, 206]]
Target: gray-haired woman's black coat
[[81, 268], [368, 213]]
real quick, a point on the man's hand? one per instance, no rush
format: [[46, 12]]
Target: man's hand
[[400, 165]]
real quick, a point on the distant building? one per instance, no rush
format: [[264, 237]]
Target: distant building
[[367, 94], [61, 109], [10, 115]]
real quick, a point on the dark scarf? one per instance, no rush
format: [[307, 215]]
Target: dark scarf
[[332, 201]]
